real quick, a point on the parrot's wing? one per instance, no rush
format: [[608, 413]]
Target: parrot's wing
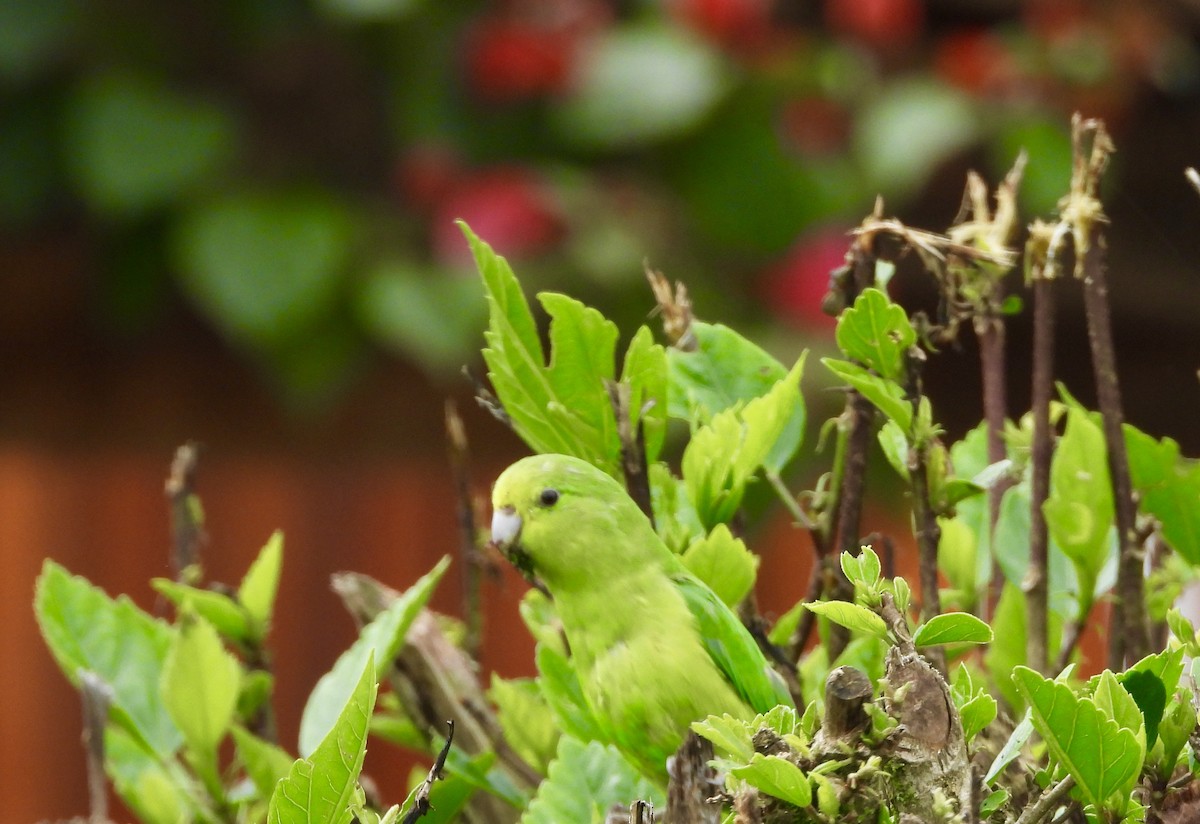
[[732, 648]]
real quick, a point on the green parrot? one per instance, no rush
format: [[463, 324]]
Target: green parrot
[[655, 649]]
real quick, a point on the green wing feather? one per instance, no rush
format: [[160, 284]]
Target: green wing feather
[[732, 648]]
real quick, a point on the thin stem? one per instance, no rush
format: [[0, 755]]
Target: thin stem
[[97, 697], [1072, 636], [187, 527], [1036, 585], [1129, 638], [633, 449], [991, 333], [472, 574], [928, 534], [1047, 802]]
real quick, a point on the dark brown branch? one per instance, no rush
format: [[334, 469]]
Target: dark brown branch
[[1070, 641], [859, 415], [472, 573], [435, 680], [633, 448], [1036, 584], [187, 525], [421, 797], [1047, 802], [97, 698], [692, 783], [1129, 637], [847, 690], [991, 333], [928, 534]]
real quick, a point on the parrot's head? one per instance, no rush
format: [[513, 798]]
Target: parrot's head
[[554, 516]]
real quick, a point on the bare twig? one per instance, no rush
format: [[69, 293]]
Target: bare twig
[[487, 400], [692, 783], [1129, 638], [1036, 585], [847, 690], [97, 698], [633, 448], [1047, 802], [459, 453], [421, 795], [187, 521], [675, 308]]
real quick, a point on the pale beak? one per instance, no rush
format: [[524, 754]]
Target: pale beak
[[506, 526]]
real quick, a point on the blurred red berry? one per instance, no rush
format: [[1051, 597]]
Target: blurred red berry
[[512, 60], [815, 125], [508, 207], [795, 286], [974, 60], [426, 173], [882, 24], [732, 23], [1053, 20]]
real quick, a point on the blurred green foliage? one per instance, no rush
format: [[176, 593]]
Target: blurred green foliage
[[293, 167]]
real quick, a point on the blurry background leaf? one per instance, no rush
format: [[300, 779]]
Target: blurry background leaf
[[641, 85], [265, 266], [432, 315], [903, 134], [134, 145]]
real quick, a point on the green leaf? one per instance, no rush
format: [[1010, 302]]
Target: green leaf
[[525, 717], [563, 407], [976, 708], [611, 106], [1118, 704], [320, 789], [887, 396], [781, 632], [216, 608], [861, 570], [1150, 696], [154, 790], [257, 591], [266, 763], [1168, 488], [560, 685], [952, 628], [1008, 649], [876, 333], [723, 562], [134, 145], [895, 446], [1103, 758], [956, 557], [1012, 747], [730, 736], [646, 371], [1079, 511], [776, 777], [724, 454], [724, 371], [851, 616], [87, 630], [585, 781], [1177, 725], [200, 684], [265, 266], [379, 640]]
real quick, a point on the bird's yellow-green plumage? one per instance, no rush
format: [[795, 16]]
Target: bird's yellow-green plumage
[[654, 647]]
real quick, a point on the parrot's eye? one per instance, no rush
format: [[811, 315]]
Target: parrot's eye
[[549, 497]]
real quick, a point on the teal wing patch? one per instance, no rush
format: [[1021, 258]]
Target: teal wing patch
[[732, 648]]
